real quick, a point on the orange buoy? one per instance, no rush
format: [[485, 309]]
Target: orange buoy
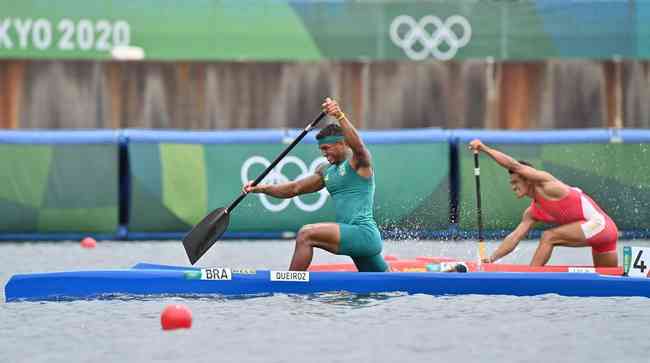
[[88, 242], [390, 258], [176, 317]]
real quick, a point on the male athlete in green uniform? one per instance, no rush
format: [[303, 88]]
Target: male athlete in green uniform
[[350, 181]]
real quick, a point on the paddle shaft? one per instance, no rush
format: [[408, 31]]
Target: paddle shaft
[[276, 161], [479, 210]]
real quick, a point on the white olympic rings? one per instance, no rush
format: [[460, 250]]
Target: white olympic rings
[[276, 177], [416, 32]]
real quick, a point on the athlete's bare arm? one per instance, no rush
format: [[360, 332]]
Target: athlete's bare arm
[[513, 239], [361, 159], [310, 184], [509, 163], [550, 186]]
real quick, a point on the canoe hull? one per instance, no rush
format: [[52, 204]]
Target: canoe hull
[[174, 282]]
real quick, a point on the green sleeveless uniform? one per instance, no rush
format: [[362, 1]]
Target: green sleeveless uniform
[[353, 197]]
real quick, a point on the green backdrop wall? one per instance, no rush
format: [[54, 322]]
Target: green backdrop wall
[[175, 183], [59, 182]]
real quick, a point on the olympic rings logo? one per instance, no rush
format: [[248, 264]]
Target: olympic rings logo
[[405, 32], [277, 177]]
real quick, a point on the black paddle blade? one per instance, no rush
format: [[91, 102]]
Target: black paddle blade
[[205, 234]]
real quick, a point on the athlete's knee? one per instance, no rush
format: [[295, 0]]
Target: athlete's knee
[[305, 234], [548, 237]]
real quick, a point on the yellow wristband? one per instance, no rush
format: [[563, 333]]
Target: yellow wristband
[[341, 116]]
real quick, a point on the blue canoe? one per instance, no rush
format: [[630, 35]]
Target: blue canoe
[[154, 280]]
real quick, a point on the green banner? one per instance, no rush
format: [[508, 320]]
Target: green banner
[[58, 188], [616, 176], [165, 30], [318, 30], [173, 186], [643, 29]]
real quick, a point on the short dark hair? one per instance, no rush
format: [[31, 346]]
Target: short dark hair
[[329, 130], [524, 162]]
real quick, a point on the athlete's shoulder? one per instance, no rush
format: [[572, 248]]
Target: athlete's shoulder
[[555, 188]]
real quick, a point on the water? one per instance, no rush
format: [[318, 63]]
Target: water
[[331, 327]]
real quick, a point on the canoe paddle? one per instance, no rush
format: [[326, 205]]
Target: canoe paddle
[[209, 230], [479, 211]]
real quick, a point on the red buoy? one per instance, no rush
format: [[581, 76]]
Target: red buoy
[[88, 242], [176, 317]]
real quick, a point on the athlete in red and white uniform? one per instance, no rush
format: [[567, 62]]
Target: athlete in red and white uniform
[[581, 222]]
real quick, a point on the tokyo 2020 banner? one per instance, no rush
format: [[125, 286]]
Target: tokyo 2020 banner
[[317, 30]]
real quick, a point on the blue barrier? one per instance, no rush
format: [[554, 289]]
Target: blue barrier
[[205, 137], [382, 137], [569, 136], [632, 135], [61, 137]]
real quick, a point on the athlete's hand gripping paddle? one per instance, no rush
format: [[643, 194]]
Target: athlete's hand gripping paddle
[[479, 211], [209, 230]]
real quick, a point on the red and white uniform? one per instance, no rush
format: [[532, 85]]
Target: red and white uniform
[[599, 229]]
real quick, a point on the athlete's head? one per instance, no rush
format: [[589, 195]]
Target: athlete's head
[[520, 185], [331, 143]]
